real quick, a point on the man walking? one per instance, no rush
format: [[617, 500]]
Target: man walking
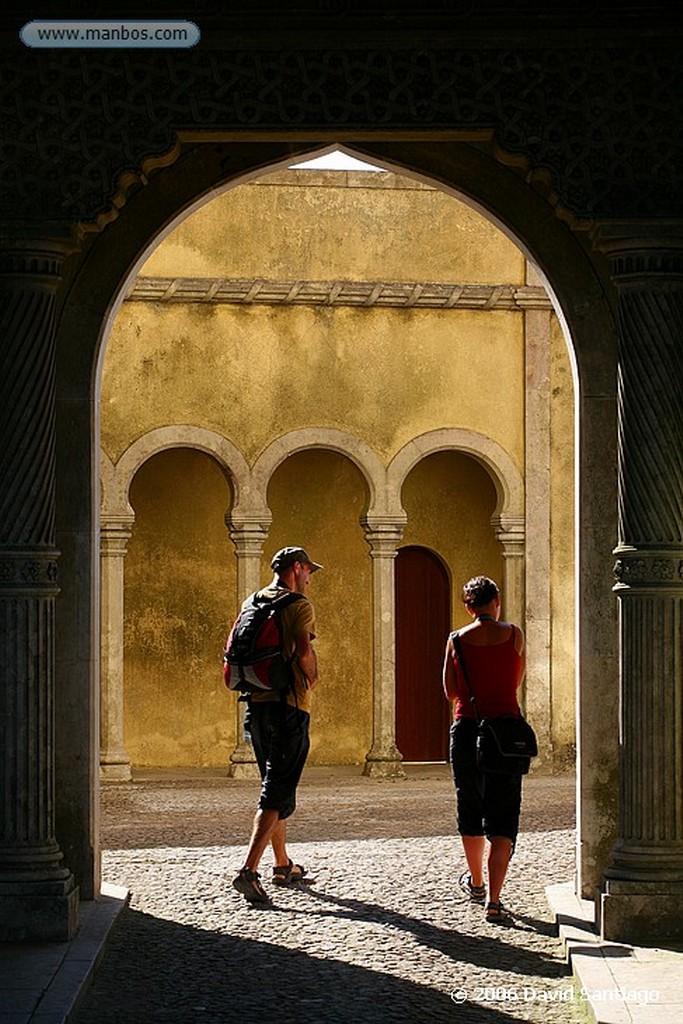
[[278, 727]]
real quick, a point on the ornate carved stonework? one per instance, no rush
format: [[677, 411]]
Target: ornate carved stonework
[[23, 570], [651, 572], [597, 123]]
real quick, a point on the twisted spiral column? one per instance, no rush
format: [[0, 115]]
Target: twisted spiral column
[[643, 893], [38, 897]]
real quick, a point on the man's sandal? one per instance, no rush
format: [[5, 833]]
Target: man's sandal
[[477, 893], [248, 883], [287, 874], [496, 914]]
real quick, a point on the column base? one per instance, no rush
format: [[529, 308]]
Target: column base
[[115, 771], [243, 770], [641, 913], [243, 763], [389, 766], [38, 911]]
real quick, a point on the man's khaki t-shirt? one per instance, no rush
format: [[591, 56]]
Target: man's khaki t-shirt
[[298, 617]]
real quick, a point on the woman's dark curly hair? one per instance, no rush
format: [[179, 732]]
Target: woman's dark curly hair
[[479, 591]]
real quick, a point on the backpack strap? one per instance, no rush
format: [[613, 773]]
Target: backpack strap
[[279, 604]]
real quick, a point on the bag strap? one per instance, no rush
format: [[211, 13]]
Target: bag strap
[[455, 637]]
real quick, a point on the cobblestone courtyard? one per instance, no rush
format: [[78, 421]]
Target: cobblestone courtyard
[[380, 934]]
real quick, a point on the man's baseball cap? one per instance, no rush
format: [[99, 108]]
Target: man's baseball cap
[[285, 557]]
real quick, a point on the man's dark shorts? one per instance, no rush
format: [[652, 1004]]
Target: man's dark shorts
[[279, 734], [488, 805]]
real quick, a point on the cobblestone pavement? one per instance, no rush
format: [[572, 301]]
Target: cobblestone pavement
[[380, 934]]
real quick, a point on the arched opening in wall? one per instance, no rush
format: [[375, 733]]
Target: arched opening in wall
[[97, 297], [370, 303], [179, 582], [423, 617]]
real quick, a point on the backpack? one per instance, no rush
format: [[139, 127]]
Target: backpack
[[253, 660]]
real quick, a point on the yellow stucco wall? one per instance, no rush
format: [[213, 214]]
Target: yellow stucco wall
[[179, 587], [449, 499], [316, 498], [357, 225], [253, 373]]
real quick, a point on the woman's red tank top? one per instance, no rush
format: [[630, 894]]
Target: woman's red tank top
[[495, 672]]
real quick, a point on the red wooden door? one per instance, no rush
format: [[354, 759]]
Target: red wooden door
[[423, 616]]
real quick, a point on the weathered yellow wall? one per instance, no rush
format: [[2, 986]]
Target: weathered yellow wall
[[316, 498], [253, 373], [179, 588], [355, 225], [449, 499]]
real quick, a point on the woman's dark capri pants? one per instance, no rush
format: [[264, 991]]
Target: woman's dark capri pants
[[488, 805], [279, 734]]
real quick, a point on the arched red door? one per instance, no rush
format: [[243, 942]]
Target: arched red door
[[423, 616]]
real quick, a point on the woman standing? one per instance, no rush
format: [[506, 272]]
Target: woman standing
[[488, 805]]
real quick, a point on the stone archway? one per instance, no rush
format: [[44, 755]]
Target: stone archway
[[116, 525], [575, 284]]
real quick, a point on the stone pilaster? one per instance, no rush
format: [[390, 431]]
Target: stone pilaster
[[38, 896], [383, 534], [115, 532], [248, 533], [643, 891], [537, 688]]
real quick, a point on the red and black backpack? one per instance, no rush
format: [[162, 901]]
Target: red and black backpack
[[253, 659]]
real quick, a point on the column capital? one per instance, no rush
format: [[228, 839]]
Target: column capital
[[115, 532], [650, 569], [510, 531], [255, 522], [29, 571], [248, 531], [384, 533], [642, 249], [37, 260]]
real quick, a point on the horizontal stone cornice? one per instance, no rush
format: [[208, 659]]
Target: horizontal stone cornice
[[357, 294]]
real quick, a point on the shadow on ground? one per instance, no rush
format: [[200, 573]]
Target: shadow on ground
[[190, 976]]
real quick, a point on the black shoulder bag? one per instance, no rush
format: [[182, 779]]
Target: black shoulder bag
[[505, 745]]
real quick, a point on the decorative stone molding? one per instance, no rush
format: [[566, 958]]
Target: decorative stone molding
[[510, 531], [412, 88], [116, 480], [506, 477], [29, 571], [358, 294], [362, 456], [657, 570]]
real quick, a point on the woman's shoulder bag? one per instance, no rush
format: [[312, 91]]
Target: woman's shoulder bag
[[505, 744]]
